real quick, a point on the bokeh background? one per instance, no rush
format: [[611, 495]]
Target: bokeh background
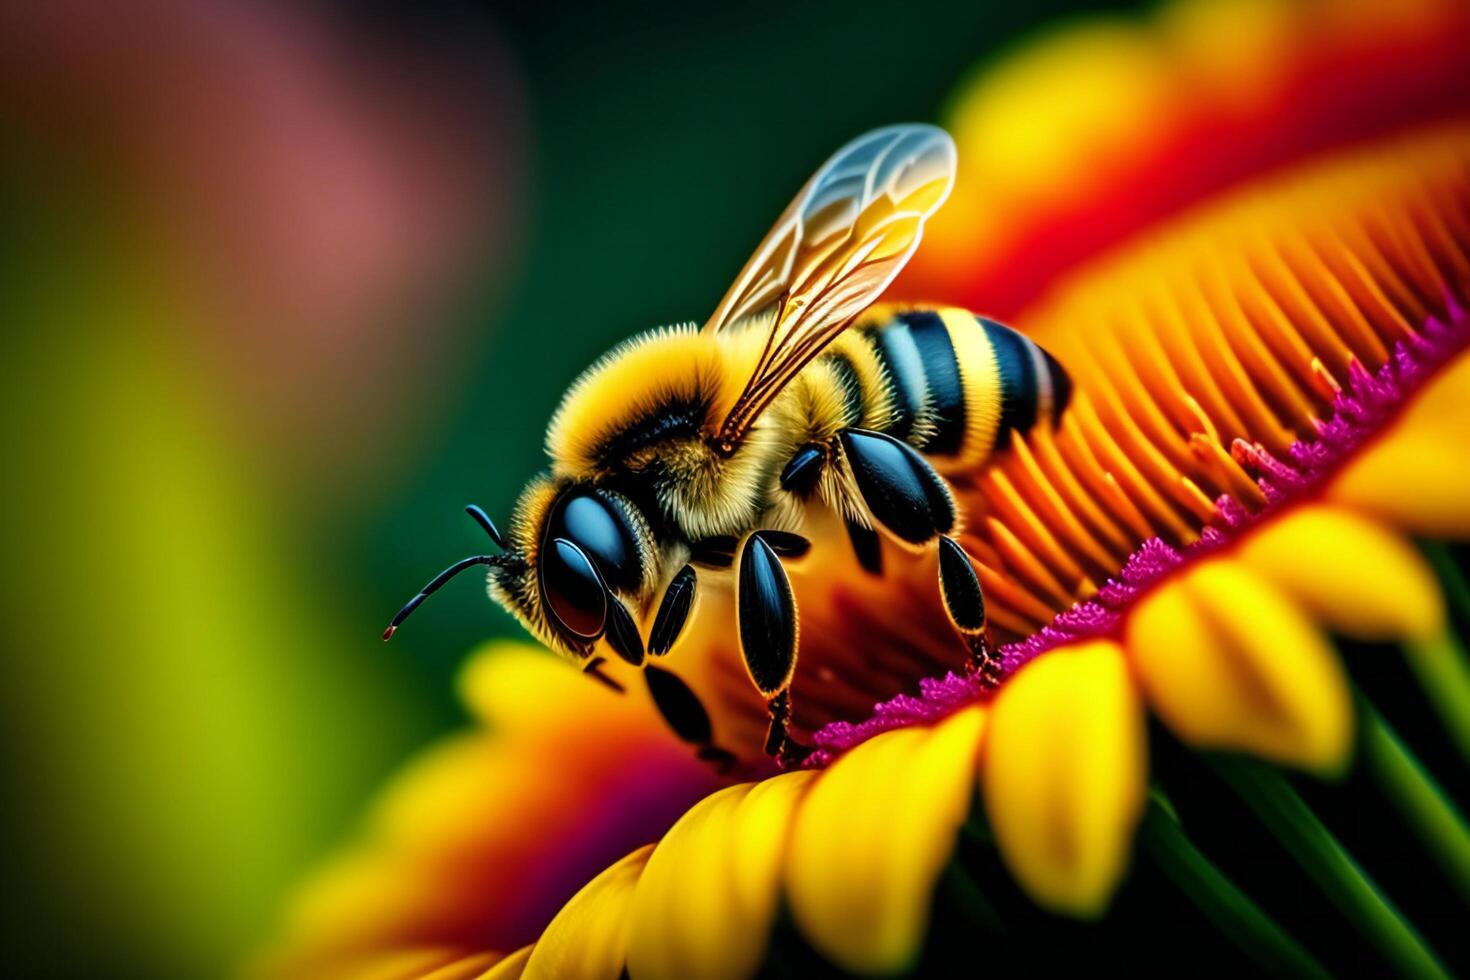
[[284, 287]]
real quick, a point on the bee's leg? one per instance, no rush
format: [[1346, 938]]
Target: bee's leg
[[867, 546], [682, 709], [766, 623], [965, 605], [594, 671], [673, 611], [800, 476], [904, 494], [785, 544], [899, 487], [779, 743], [802, 471], [715, 552], [622, 631]]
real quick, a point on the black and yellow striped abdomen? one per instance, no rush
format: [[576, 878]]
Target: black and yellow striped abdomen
[[960, 384]]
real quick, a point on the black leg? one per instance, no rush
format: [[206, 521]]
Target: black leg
[[965, 605], [785, 544], [716, 552], [800, 477], [867, 546], [673, 611], [899, 487], [767, 617], [779, 743], [913, 503], [622, 632], [594, 670], [780, 709], [767, 631], [803, 470], [685, 714]]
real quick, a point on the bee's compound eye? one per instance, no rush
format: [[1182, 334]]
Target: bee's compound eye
[[573, 590], [602, 534]]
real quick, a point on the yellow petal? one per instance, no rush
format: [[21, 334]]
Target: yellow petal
[[1416, 475], [1350, 572], [512, 967], [588, 939], [1063, 775], [473, 967], [872, 836], [706, 901], [495, 678], [1229, 662], [424, 963]]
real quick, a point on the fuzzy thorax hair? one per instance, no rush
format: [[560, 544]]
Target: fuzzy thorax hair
[[666, 383], [650, 407]]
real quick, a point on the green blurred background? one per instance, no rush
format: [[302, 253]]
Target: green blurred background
[[285, 288]]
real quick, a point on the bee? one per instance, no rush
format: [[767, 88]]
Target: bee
[[688, 459]]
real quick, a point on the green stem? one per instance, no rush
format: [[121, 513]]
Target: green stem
[[977, 828], [970, 900], [1225, 905], [1439, 662], [1456, 588], [1335, 872], [1416, 795]]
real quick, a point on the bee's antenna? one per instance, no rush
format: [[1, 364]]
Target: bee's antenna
[[484, 521], [434, 585]]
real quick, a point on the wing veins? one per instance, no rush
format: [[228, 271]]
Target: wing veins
[[837, 246]]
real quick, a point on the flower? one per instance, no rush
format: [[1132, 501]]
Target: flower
[[446, 872], [1269, 399]]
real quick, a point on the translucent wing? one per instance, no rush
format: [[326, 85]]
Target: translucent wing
[[835, 249]]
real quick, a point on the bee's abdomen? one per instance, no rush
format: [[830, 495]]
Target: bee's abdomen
[[962, 384]]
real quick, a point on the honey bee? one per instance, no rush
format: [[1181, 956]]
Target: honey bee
[[684, 452]]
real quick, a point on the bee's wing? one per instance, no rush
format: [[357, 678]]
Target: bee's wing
[[834, 250]]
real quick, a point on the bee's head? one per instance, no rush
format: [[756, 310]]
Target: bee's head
[[574, 551]]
